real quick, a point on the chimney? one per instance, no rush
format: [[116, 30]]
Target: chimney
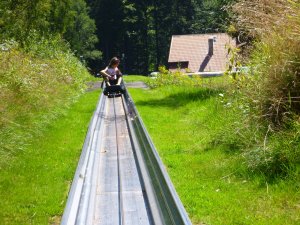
[[210, 46]]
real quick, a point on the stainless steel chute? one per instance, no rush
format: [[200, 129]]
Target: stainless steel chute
[[120, 179]]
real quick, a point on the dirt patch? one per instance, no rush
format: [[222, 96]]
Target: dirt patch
[[137, 84], [96, 85], [93, 85]]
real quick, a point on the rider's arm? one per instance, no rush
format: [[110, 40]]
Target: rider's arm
[[119, 80], [119, 75], [105, 74], [118, 72]]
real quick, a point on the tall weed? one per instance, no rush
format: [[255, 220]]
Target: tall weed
[[178, 78], [268, 100], [36, 84]]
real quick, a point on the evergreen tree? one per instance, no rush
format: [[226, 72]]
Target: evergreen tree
[[142, 30], [80, 32], [109, 21]]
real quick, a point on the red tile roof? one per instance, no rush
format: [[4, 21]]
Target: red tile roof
[[194, 49]]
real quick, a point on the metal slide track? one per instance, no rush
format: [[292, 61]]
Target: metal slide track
[[120, 179]]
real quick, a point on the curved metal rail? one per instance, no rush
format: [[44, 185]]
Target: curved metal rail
[[120, 178]]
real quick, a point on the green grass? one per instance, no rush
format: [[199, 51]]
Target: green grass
[[35, 183], [211, 181], [36, 84]]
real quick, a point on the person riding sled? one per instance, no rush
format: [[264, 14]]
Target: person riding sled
[[111, 74]]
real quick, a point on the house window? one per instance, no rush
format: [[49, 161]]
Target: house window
[[178, 65]]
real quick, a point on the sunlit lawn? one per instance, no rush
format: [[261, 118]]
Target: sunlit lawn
[[211, 181], [34, 185]]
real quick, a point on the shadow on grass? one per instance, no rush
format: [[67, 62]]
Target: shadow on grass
[[180, 99]]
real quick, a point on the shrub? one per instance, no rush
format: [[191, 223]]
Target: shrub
[[36, 84], [267, 101], [177, 78], [274, 90]]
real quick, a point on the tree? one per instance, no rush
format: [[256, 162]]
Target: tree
[[109, 21], [80, 32], [21, 20], [142, 30]]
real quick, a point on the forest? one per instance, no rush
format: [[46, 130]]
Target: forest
[[138, 32]]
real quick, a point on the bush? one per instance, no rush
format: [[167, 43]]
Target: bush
[[267, 101], [177, 78], [36, 84]]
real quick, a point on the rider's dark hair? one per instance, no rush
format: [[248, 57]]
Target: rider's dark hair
[[113, 61]]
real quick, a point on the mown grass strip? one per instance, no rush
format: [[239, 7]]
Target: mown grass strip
[[211, 180], [34, 185]]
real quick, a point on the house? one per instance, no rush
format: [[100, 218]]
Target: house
[[200, 52]]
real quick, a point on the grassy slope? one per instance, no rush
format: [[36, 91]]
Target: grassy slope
[[212, 187], [210, 180], [33, 188], [35, 87]]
